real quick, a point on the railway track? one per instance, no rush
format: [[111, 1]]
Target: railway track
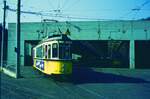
[[75, 91], [15, 91]]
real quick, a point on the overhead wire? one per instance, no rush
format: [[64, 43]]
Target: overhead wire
[[65, 3], [26, 12], [72, 5], [58, 8], [137, 9], [60, 15], [50, 2]]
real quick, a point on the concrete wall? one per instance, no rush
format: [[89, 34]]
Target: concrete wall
[[103, 30]]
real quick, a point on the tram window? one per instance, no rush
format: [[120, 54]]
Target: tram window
[[39, 52], [55, 50], [61, 51], [67, 52], [45, 51], [49, 51], [64, 51]]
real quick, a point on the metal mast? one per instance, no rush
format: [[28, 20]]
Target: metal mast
[[3, 32], [18, 39]]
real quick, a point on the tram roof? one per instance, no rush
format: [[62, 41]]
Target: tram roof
[[58, 37]]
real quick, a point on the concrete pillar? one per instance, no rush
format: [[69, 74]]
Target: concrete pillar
[[132, 54]]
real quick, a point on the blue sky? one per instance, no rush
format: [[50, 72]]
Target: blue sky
[[76, 10]]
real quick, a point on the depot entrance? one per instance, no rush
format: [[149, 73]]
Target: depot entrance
[[28, 45], [142, 54]]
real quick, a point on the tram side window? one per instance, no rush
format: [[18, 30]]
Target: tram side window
[[39, 52], [67, 52], [55, 50], [45, 51], [49, 51], [61, 51]]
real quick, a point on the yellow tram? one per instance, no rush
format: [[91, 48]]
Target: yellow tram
[[53, 55]]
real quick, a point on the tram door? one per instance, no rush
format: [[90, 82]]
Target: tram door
[[28, 45]]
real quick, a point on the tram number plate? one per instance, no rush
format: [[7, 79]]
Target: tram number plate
[[40, 64]]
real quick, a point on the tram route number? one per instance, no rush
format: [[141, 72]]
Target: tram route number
[[40, 64]]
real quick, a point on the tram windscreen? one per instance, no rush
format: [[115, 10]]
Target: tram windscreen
[[39, 52], [55, 50], [64, 51]]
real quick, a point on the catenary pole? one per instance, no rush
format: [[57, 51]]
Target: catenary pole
[[3, 32], [18, 39]]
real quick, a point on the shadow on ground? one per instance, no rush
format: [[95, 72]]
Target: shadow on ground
[[87, 75]]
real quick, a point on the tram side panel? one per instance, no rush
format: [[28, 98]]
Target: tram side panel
[[50, 66]]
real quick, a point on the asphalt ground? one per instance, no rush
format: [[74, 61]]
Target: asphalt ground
[[84, 83]]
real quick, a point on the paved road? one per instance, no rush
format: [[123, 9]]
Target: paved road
[[85, 83]]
